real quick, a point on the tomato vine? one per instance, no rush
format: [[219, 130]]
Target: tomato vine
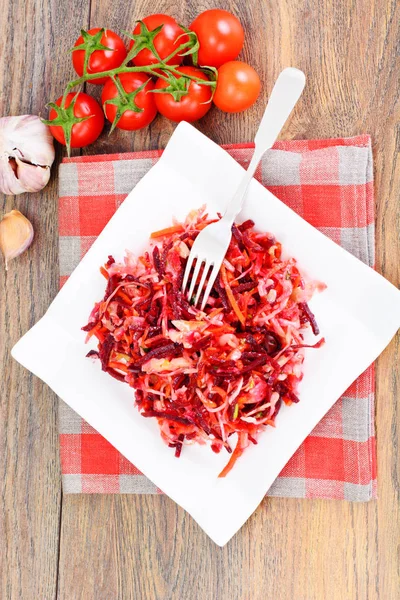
[[178, 84]]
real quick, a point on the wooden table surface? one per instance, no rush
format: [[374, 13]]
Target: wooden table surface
[[145, 547]]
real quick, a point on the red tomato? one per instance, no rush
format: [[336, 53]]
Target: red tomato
[[238, 86], [165, 42], [100, 60], [130, 119], [220, 35], [189, 108], [85, 132]]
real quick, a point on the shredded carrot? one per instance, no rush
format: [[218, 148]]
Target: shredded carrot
[[247, 259], [215, 312], [220, 329], [118, 366], [217, 390], [99, 333], [104, 272], [204, 225], [128, 337], [246, 299], [125, 297], [145, 334], [167, 231], [238, 451], [145, 261], [231, 297], [96, 331]]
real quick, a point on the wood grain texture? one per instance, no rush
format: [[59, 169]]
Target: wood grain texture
[[289, 549], [148, 548], [33, 62], [145, 547]]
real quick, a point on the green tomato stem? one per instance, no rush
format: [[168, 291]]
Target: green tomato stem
[[175, 71], [177, 51], [151, 69], [120, 88]]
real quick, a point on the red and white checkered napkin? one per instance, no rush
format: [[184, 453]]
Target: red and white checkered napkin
[[329, 183]]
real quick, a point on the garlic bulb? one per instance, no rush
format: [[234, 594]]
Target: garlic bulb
[[26, 154], [16, 235]]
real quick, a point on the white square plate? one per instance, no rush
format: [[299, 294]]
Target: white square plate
[[358, 314]]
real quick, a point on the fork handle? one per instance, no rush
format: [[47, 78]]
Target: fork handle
[[285, 94]]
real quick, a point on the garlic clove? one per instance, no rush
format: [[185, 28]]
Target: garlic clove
[[32, 138], [31, 177], [16, 235], [26, 154], [9, 182]]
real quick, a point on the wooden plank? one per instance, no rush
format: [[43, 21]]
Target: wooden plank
[[33, 64], [148, 548]]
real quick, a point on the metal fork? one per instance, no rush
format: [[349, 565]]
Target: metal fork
[[212, 243]]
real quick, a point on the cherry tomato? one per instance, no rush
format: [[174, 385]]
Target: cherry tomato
[[191, 107], [130, 119], [165, 42], [85, 132], [100, 60], [220, 35], [238, 86]]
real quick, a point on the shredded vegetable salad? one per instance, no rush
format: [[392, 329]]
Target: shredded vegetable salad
[[206, 375]]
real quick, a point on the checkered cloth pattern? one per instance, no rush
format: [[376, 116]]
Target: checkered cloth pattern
[[327, 182]]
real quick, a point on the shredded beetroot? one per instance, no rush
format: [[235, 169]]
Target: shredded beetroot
[[308, 315], [244, 287], [206, 375], [237, 235], [115, 374], [159, 352], [221, 293], [179, 443], [105, 350], [249, 224]]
